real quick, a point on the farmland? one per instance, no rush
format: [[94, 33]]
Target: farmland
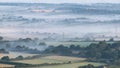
[[52, 59], [5, 65], [82, 44], [75, 62], [74, 65], [65, 35]]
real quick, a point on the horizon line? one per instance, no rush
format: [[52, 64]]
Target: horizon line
[[58, 3]]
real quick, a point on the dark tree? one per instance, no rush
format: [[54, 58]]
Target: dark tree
[[87, 66], [5, 58], [111, 39], [19, 57], [1, 38], [42, 43]]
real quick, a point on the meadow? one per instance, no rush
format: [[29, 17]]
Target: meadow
[[52, 59], [73, 65], [75, 62], [76, 43], [80, 43], [6, 65]]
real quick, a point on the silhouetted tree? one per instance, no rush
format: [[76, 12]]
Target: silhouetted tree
[[5, 58], [1, 38]]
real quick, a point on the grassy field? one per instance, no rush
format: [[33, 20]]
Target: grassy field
[[73, 65], [64, 58], [75, 62], [52, 59], [82, 44], [39, 61], [5, 66]]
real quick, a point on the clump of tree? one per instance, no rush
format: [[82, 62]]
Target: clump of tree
[[1, 38], [3, 51], [61, 49], [42, 44], [19, 47], [101, 52], [19, 57], [91, 66], [25, 39], [111, 39], [5, 58]]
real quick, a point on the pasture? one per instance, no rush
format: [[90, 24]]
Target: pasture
[[52, 59], [6, 66], [73, 65], [75, 62], [79, 43], [82, 44]]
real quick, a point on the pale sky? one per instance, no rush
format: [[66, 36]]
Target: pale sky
[[63, 1]]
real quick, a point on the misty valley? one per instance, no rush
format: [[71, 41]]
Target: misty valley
[[66, 35]]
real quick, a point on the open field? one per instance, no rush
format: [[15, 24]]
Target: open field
[[5, 65], [82, 43], [39, 61], [64, 58], [52, 59], [74, 65], [75, 62]]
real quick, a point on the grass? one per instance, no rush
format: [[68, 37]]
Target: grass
[[5, 65], [74, 65], [113, 66], [51, 59], [39, 61], [82, 44], [60, 59], [64, 58]]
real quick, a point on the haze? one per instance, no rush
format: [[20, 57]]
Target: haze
[[63, 1]]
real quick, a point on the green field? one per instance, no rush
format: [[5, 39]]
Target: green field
[[75, 62], [52, 59], [6, 66], [39, 61], [82, 44], [74, 65]]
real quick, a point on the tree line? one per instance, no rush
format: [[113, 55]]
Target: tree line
[[98, 52]]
